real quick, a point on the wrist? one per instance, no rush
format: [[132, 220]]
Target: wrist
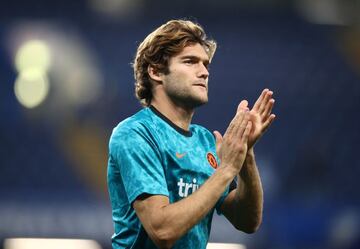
[[250, 154], [228, 171]]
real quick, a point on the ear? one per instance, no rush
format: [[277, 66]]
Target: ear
[[154, 74]]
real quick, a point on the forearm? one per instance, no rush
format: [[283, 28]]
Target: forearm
[[169, 222], [244, 206], [252, 192], [184, 214]]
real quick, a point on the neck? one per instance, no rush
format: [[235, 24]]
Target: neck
[[179, 115]]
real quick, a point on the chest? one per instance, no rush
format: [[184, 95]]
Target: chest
[[187, 163]]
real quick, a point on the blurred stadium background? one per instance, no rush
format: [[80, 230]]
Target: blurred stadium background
[[66, 81]]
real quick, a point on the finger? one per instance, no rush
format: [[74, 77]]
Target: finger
[[230, 129], [242, 113], [247, 132], [269, 121], [259, 100], [268, 109], [233, 127], [242, 125], [264, 102], [243, 105], [218, 138]]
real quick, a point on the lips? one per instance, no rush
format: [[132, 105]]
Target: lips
[[200, 84]]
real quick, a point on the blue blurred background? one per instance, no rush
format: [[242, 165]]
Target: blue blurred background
[[66, 80]]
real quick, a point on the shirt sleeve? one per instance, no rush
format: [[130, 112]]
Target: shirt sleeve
[[140, 166]]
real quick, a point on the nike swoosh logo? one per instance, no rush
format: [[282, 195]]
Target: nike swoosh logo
[[179, 155]]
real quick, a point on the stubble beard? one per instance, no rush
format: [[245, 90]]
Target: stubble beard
[[185, 97], [187, 100]]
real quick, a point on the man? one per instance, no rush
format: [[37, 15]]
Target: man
[[165, 175]]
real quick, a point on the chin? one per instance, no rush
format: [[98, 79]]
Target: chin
[[199, 102], [190, 102]]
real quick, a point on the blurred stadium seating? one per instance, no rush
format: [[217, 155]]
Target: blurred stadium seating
[[53, 156]]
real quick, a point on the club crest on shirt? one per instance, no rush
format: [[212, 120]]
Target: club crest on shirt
[[212, 160]]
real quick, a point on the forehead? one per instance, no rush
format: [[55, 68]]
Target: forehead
[[193, 50]]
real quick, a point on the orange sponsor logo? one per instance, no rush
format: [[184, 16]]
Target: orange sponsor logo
[[212, 160], [180, 155]]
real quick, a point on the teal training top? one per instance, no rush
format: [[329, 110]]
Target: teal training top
[[148, 154]]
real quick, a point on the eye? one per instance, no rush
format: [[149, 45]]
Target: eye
[[189, 62]]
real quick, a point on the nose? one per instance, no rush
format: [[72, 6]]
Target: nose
[[203, 71]]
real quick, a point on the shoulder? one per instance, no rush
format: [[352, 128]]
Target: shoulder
[[133, 129]]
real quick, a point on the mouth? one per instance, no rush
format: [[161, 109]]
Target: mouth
[[201, 85]]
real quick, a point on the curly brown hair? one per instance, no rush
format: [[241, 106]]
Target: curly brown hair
[[159, 46]]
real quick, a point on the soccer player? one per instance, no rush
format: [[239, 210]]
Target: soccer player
[[166, 176]]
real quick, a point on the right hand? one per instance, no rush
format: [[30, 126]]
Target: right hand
[[232, 147]]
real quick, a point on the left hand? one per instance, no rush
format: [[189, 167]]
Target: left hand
[[260, 116]]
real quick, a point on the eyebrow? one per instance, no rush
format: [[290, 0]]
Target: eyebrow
[[194, 57]]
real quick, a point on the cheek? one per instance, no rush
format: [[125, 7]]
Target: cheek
[[178, 80]]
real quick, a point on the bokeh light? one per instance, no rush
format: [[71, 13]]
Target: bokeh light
[[33, 54], [32, 62], [31, 87]]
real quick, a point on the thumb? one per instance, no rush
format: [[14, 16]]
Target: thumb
[[243, 105], [219, 139]]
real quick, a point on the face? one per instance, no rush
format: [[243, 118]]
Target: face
[[187, 81]]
